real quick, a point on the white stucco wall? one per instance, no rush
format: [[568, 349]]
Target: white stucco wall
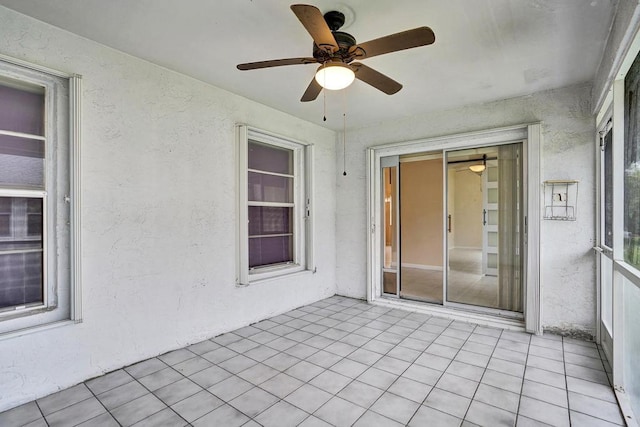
[[159, 215], [567, 261]]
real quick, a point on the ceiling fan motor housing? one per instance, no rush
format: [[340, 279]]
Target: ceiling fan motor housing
[[346, 41]]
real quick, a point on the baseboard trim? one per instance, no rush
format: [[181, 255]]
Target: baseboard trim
[[422, 266]]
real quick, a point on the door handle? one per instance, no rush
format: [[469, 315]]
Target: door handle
[[603, 251], [449, 223], [484, 217]]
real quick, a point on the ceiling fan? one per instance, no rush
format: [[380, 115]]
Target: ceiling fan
[[336, 50]]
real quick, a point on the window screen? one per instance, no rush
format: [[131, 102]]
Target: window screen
[[632, 166]]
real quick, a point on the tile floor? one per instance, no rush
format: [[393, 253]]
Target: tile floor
[[467, 284], [342, 362]]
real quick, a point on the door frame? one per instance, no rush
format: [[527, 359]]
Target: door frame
[[531, 134], [604, 124]]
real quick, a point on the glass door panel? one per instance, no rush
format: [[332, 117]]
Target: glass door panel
[[421, 227], [390, 265], [485, 249]]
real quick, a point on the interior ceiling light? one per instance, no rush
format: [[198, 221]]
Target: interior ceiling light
[[481, 167], [477, 168], [335, 76]]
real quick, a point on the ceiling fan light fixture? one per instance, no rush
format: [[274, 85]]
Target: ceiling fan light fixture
[[477, 168], [335, 76]]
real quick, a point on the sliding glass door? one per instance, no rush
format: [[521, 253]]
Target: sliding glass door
[[453, 228]]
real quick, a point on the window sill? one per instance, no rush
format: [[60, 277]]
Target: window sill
[[283, 275], [38, 328]]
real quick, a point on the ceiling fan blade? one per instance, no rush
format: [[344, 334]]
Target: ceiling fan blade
[[313, 21], [421, 36], [375, 79], [312, 92], [275, 63]]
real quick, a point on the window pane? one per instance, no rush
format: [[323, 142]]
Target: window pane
[[21, 161], [270, 188], [270, 250], [5, 216], [632, 166], [270, 159], [20, 279], [608, 190], [270, 220], [34, 217], [24, 219], [20, 251], [22, 107]]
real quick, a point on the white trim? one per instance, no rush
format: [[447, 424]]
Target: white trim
[[75, 196], [242, 257], [625, 407], [271, 204], [533, 202], [22, 192], [309, 207], [618, 232], [373, 238], [284, 175], [632, 40], [21, 251], [488, 137], [22, 135], [605, 112], [604, 123], [35, 67], [33, 329]]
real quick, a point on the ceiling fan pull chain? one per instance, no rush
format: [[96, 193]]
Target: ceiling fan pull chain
[[344, 133], [324, 96]]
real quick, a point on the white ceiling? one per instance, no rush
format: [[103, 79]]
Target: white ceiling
[[485, 50]]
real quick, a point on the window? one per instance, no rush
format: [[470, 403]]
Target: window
[[38, 151], [274, 204], [632, 166]]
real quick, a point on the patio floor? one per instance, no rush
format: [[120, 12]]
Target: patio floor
[[343, 362]]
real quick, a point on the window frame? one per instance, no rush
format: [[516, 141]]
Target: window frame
[[60, 195], [302, 206]]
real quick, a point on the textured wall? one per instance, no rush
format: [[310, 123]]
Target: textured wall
[[159, 215], [567, 261]]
